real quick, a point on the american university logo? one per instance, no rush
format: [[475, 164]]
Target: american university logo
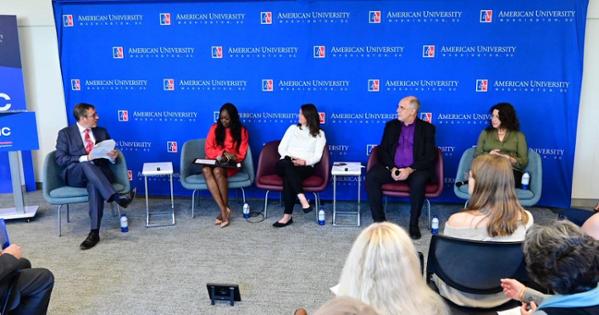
[[374, 85], [482, 85], [75, 85], [319, 52], [374, 17], [165, 19], [267, 85], [67, 20], [266, 17], [428, 51], [486, 16], [168, 84], [427, 116], [123, 115], [118, 52], [217, 52], [171, 146], [369, 148], [323, 117]]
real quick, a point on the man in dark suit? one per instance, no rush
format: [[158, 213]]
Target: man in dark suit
[[30, 288], [406, 153], [73, 152]]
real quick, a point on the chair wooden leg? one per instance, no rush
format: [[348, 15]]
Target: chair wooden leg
[[68, 214], [59, 227], [266, 204]]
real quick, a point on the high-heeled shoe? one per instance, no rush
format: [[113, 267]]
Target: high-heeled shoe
[[218, 221], [308, 210]]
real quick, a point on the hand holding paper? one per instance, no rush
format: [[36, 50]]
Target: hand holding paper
[[103, 150]]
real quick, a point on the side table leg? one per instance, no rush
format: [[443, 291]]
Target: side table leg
[[147, 205], [172, 197], [334, 199], [359, 201]]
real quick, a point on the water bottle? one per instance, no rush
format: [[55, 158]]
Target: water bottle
[[321, 217], [525, 180], [246, 211], [124, 223], [435, 226]]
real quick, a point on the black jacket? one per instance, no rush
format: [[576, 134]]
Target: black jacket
[[424, 145]]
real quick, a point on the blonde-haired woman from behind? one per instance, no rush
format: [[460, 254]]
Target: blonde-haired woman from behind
[[383, 271]]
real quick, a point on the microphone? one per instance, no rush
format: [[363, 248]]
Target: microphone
[[462, 183]]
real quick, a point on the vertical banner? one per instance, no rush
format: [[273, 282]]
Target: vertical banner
[[158, 73], [12, 99]]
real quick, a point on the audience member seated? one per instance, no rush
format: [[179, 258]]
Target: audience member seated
[[504, 138], [227, 141], [341, 306], [561, 258], [30, 288], [493, 214], [383, 271], [300, 149]]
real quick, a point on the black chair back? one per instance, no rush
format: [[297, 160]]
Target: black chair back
[[474, 266]]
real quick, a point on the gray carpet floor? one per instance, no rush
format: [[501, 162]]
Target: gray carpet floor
[[164, 270]]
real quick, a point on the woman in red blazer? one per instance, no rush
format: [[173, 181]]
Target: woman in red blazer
[[227, 140]]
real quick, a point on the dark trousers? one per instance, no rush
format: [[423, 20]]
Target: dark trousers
[[379, 175], [293, 176], [97, 181], [31, 291]]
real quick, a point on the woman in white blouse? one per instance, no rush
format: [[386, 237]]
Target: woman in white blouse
[[493, 214], [300, 149]]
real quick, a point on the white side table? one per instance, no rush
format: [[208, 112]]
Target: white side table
[[159, 169], [346, 169]]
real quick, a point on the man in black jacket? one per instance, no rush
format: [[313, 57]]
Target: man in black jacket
[[30, 288], [73, 153], [407, 153]]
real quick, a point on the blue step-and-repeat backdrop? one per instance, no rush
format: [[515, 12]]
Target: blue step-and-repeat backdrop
[[159, 71]]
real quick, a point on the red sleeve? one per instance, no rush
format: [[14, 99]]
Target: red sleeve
[[243, 147], [212, 150]]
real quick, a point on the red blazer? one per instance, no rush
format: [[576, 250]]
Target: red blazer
[[213, 150]]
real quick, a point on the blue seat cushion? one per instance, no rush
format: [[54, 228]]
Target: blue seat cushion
[[73, 192], [521, 194], [199, 179]]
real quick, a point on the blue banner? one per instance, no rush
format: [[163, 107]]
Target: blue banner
[[159, 71], [12, 99]]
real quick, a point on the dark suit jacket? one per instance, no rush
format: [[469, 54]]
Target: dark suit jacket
[[69, 148], [424, 145], [9, 271]]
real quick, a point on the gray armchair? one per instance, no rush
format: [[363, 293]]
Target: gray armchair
[[193, 149], [56, 192]]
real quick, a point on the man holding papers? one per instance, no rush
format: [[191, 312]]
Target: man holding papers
[[83, 167]]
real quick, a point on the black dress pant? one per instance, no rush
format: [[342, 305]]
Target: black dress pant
[[293, 176], [97, 180], [31, 291], [379, 175]]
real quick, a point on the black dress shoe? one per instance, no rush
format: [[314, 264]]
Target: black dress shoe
[[91, 241], [280, 225], [415, 232], [125, 200], [308, 210]]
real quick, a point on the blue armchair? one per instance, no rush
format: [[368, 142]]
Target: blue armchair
[[193, 149], [527, 198], [56, 192]]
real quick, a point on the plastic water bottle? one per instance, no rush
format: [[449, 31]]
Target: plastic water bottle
[[525, 180], [124, 223], [321, 217], [435, 226], [246, 211]]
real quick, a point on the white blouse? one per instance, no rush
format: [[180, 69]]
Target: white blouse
[[299, 143]]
